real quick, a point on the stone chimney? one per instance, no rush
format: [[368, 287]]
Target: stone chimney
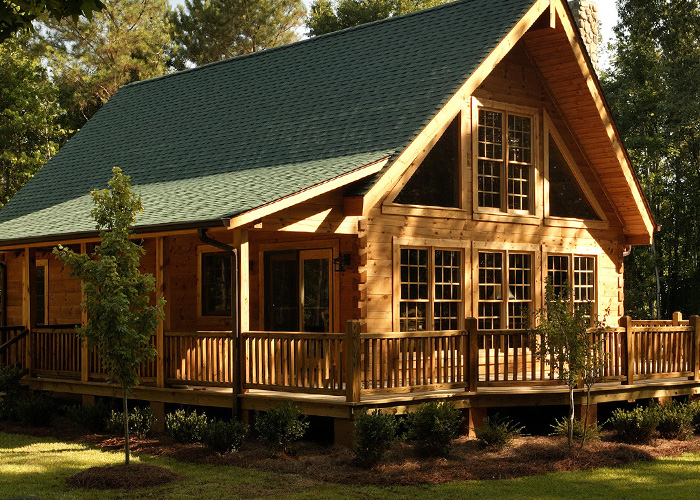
[[586, 18]]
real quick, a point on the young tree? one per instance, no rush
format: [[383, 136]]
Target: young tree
[[120, 316], [206, 31], [125, 42], [29, 129], [562, 340], [327, 16]]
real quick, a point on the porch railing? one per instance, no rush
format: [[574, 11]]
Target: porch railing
[[13, 346], [358, 365]]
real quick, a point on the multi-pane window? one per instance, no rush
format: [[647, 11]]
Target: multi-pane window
[[519, 289], [447, 297], [431, 289], [500, 271], [505, 161], [558, 274], [583, 285]]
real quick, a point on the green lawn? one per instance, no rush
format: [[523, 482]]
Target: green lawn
[[39, 466]]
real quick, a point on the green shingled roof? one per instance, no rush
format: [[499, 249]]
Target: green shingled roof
[[228, 137]]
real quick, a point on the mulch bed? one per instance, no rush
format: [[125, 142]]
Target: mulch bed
[[527, 456], [128, 477]]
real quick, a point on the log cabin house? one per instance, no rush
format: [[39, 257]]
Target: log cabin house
[[361, 219]]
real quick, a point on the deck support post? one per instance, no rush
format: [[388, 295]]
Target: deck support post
[[344, 432], [695, 323], [29, 303], [84, 354], [628, 349], [160, 337], [473, 364], [353, 361], [474, 419], [158, 410]]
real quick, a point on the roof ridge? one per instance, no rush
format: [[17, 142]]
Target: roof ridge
[[259, 53]]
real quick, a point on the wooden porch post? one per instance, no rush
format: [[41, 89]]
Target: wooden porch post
[[628, 348], [29, 302], [473, 364], [695, 323], [160, 338], [353, 361], [243, 307], [84, 354]]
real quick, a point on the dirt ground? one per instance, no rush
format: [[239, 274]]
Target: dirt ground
[[528, 455]]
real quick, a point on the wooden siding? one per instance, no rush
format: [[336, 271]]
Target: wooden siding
[[515, 81]]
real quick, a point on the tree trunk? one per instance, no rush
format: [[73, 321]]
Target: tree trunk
[[571, 416], [588, 410], [126, 426]]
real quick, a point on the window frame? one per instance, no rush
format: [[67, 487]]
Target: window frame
[[572, 255], [555, 221], [201, 250], [301, 246], [431, 246], [389, 206], [531, 216], [506, 250], [45, 264]]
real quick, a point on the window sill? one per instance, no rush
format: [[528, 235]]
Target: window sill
[[576, 223], [510, 218], [424, 211]]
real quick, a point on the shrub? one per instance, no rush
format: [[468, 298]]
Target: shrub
[[560, 427], [374, 433], [675, 421], [10, 377], [186, 427], [37, 410], [433, 426], [635, 426], [9, 380], [497, 432], [694, 410], [140, 422], [280, 426], [91, 417], [224, 436]]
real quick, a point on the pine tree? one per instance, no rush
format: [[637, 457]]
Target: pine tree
[[29, 130], [206, 31]]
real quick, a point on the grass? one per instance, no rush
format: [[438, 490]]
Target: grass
[[39, 466]]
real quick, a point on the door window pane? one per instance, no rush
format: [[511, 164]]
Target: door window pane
[[316, 295]]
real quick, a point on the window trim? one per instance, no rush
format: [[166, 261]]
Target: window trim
[[554, 221], [532, 216], [506, 248], [431, 245], [202, 249], [390, 207]]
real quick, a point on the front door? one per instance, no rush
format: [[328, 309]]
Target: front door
[[298, 290]]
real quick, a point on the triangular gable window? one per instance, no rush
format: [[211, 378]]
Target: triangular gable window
[[436, 180], [566, 198]]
